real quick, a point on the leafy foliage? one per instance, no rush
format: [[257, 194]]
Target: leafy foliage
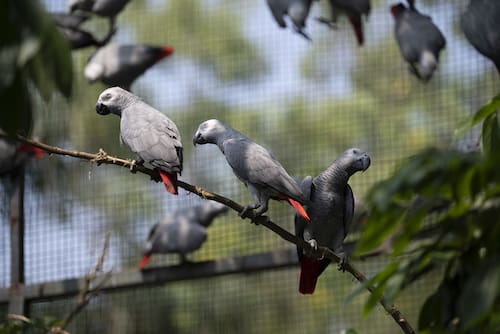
[[455, 198], [33, 55]]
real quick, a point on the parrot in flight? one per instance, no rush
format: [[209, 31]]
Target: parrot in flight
[[480, 24], [263, 175], [121, 64], [420, 40], [297, 10], [331, 209], [78, 38], [151, 135], [182, 231], [354, 10]]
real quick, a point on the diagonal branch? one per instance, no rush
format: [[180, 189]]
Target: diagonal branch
[[103, 158]]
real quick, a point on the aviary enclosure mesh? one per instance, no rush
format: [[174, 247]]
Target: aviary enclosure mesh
[[305, 101]]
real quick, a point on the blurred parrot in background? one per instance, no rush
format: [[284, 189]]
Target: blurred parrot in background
[[331, 209], [103, 8], [182, 231], [263, 175], [481, 25], [14, 155], [69, 25], [120, 65], [147, 132], [420, 40], [354, 10], [297, 10]]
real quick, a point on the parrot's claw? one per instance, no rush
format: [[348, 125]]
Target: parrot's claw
[[134, 164], [303, 34], [331, 24], [314, 245], [342, 263], [245, 212]]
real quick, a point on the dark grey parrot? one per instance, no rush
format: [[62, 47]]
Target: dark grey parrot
[[13, 155], [354, 10], [420, 40], [182, 231], [120, 65], [297, 10], [331, 209], [78, 38], [481, 25], [150, 134], [103, 8], [263, 175]]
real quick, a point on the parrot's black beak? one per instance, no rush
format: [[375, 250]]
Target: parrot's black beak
[[197, 139], [366, 162], [101, 109]]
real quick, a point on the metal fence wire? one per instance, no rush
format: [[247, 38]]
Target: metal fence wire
[[306, 101]]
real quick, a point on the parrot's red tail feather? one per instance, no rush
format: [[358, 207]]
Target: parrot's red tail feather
[[310, 270], [299, 208], [38, 152], [144, 261], [357, 25], [170, 181]]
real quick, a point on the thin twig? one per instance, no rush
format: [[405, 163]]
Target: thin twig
[[89, 288], [103, 158]]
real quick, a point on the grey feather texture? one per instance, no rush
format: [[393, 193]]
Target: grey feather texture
[[146, 131], [184, 230], [105, 8], [331, 204], [420, 40], [255, 166]]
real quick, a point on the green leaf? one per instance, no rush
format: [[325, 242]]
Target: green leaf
[[491, 135], [17, 115], [481, 114]]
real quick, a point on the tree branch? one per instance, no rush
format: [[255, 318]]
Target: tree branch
[[103, 158]]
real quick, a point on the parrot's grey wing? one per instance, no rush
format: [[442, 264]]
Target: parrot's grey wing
[[405, 31], [262, 169], [154, 138], [348, 209], [306, 186], [277, 11], [430, 34]]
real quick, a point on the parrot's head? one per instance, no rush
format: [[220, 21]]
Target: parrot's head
[[113, 100], [355, 160], [208, 132], [397, 9]]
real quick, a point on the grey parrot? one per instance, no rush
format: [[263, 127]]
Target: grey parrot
[[182, 231], [78, 38], [120, 65], [354, 10], [480, 24], [420, 40], [263, 175], [147, 132], [297, 10], [331, 209], [103, 8]]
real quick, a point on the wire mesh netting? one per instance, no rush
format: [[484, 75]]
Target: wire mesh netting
[[305, 101]]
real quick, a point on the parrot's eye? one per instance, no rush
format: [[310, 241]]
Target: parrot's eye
[[355, 151], [107, 97]]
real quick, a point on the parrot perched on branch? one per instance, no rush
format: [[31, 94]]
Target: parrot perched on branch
[[354, 10], [147, 132], [331, 209], [481, 25], [78, 38], [182, 231], [297, 10], [263, 175], [420, 40], [120, 65]]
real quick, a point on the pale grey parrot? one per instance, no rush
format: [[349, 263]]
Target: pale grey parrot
[[78, 38], [420, 40], [182, 231], [263, 175], [481, 25], [147, 132], [354, 10], [331, 209], [297, 10], [121, 64]]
